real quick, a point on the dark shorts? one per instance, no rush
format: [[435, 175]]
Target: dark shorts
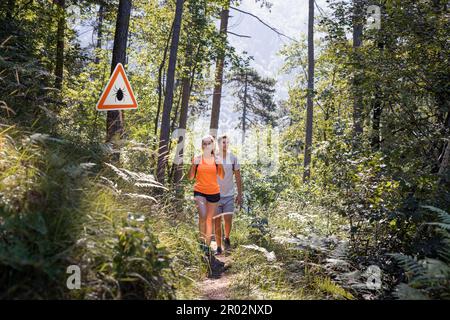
[[209, 197]]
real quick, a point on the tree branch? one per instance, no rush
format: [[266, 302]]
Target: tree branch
[[264, 23], [238, 35]]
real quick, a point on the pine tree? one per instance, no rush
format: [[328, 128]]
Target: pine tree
[[255, 95]]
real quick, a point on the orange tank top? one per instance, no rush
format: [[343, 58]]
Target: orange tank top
[[206, 177]]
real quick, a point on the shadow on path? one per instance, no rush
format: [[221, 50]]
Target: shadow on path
[[216, 286]]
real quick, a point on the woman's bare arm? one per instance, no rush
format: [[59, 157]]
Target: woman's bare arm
[[192, 171], [195, 162]]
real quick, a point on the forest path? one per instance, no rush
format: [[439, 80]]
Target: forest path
[[216, 286]]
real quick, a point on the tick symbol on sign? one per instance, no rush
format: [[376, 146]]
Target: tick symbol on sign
[[119, 93]]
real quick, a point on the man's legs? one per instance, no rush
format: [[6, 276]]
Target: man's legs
[[228, 210], [228, 219], [218, 224], [218, 230]]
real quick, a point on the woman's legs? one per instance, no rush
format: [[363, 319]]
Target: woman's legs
[[210, 212], [206, 212], [201, 207]]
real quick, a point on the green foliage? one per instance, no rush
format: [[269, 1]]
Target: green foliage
[[64, 201], [137, 259], [265, 268], [39, 207], [379, 181], [53, 214], [428, 278]]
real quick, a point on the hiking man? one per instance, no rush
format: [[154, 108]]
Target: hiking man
[[227, 200]]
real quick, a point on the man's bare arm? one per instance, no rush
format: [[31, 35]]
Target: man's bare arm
[[237, 175]]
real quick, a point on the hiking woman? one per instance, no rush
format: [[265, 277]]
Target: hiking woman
[[205, 169]]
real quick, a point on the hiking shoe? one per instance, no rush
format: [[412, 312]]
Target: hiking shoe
[[227, 244], [205, 249], [219, 251]]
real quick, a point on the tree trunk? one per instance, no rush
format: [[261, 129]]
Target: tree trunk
[[377, 105], [114, 119], [377, 110], [160, 84], [244, 109], [100, 17], [309, 108], [59, 66], [187, 84], [173, 123], [168, 99], [217, 94], [357, 77], [443, 167], [182, 126], [444, 163], [10, 10]]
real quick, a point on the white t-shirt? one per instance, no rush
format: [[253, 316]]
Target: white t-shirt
[[227, 184]]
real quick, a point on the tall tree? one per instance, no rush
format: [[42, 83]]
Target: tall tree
[[185, 95], [377, 109], [377, 106], [310, 94], [255, 97], [168, 99], [197, 56], [100, 17], [160, 78], [217, 93], [59, 66], [357, 77], [114, 119]]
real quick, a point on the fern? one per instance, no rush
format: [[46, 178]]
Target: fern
[[338, 258], [138, 179], [140, 196], [428, 278], [410, 265], [405, 292], [326, 285], [443, 216]]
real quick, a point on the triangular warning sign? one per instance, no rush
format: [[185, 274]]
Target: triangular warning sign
[[118, 94]]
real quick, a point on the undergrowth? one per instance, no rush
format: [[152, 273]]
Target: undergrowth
[[63, 204]]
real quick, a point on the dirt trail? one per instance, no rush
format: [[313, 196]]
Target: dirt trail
[[216, 286]]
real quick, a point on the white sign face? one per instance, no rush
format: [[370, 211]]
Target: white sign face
[[118, 94]]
